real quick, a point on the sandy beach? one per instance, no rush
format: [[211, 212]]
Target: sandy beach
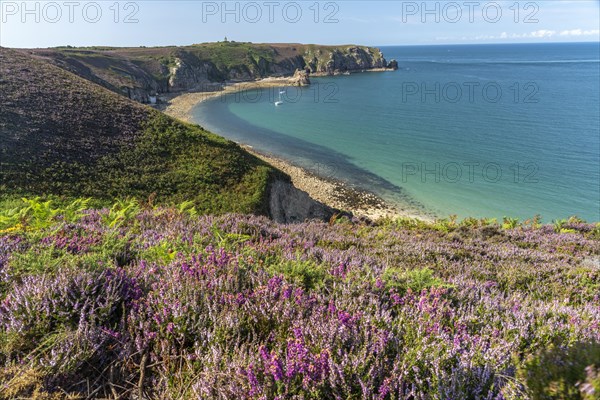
[[180, 105], [328, 191]]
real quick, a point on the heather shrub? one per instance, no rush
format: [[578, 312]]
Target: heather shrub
[[70, 301], [167, 304]]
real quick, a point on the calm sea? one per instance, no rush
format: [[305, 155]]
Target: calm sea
[[474, 130]]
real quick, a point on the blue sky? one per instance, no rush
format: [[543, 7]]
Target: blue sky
[[154, 23]]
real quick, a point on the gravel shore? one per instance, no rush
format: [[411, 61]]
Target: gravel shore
[[328, 191]]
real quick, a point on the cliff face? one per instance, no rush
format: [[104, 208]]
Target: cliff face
[[188, 72], [288, 204], [344, 60], [143, 73]]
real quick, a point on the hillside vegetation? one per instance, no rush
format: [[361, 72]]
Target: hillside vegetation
[[63, 135], [141, 302]]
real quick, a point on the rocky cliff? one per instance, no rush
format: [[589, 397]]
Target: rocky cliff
[[339, 60], [288, 204], [143, 74]]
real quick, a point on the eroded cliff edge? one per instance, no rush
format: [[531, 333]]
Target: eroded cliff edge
[[288, 204]]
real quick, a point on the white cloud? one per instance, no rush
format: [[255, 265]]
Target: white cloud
[[541, 34], [580, 32]]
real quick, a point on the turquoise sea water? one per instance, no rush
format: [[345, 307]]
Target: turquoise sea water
[[478, 130]]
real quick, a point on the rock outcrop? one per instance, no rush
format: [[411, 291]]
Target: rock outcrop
[[393, 65], [301, 78], [288, 204]]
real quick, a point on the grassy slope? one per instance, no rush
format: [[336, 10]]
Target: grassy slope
[[63, 135]]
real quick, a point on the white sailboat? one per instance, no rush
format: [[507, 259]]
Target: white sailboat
[[280, 102]]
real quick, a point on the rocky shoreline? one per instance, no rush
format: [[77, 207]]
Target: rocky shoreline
[[328, 191]]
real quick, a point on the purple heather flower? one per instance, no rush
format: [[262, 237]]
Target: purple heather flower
[[170, 327]]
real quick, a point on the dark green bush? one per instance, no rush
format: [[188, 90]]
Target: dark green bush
[[559, 373]]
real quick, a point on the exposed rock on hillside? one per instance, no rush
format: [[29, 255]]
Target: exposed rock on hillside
[[288, 204], [301, 78], [187, 72], [342, 60]]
